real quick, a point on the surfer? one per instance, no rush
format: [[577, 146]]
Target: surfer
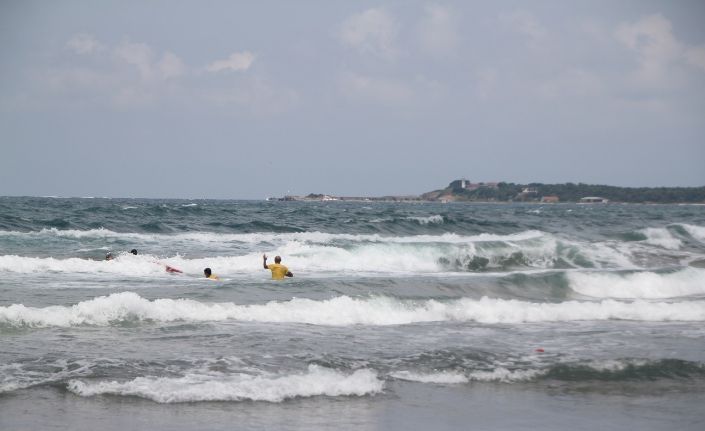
[[209, 275], [279, 271], [167, 268], [109, 256]]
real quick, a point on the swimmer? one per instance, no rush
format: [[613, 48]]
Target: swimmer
[[209, 275], [109, 256], [172, 269], [168, 268], [279, 271]]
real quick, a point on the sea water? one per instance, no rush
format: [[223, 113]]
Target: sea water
[[399, 315]]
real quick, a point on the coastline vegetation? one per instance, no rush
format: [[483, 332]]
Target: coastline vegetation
[[568, 192], [464, 191]]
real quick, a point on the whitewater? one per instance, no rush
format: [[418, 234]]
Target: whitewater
[[399, 315]]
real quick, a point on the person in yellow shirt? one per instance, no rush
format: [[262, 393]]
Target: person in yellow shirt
[[279, 271], [209, 275]]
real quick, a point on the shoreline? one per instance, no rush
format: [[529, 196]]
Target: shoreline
[[408, 199]]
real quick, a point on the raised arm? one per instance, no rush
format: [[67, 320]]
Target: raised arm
[[264, 261]]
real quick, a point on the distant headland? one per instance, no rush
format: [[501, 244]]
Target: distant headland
[[463, 190]]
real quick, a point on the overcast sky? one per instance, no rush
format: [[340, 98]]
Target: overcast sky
[[263, 98]]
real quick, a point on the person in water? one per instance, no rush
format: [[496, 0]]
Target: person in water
[[168, 268], [109, 255], [279, 271], [209, 275]]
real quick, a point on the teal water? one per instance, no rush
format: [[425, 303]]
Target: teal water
[[399, 315]]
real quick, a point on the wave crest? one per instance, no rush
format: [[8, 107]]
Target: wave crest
[[316, 381], [344, 311], [652, 285]]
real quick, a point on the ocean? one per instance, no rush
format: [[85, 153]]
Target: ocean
[[409, 316]]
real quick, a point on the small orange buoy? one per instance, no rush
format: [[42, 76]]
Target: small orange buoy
[[539, 350]]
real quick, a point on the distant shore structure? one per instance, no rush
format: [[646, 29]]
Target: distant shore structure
[[527, 194], [593, 200]]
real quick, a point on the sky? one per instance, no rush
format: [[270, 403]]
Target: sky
[[246, 100]]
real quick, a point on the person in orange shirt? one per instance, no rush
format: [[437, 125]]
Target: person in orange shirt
[[279, 271]]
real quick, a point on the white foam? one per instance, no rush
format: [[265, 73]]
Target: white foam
[[76, 233], [223, 387], [697, 232], [367, 253], [443, 377], [614, 365], [607, 254], [269, 237], [661, 237], [14, 376], [344, 311], [338, 254], [504, 375], [125, 264], [318, 253], [434, 219], [688, 281]]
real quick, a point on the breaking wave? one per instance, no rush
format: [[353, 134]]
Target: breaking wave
[[258, 237], [697, 232], [316, 381], [686, 282], [434, 219], [316, 252], [344, 311], [661, 237]]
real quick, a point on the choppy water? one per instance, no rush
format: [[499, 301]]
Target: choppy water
[[405, 316]]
